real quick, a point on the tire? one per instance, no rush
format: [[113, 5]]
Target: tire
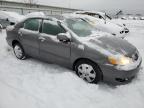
[[88, 71], [19, 51]]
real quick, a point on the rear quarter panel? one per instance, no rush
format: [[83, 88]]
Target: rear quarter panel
[[12, 35]]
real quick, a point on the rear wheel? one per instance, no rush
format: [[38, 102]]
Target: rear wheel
[[19, 51], [89, 71]]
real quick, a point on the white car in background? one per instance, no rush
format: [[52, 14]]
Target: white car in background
[[103, 24], [100, 15], [141, 18], [11, 17]]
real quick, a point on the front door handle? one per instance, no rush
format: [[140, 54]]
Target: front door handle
[[42, 39]]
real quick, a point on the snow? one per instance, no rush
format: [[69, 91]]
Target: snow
[[36, 84], [15, 17], [12, 16], [35, 14]]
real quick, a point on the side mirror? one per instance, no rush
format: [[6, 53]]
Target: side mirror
[[64, 37]]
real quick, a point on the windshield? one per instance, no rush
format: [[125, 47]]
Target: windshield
[[80, 27]]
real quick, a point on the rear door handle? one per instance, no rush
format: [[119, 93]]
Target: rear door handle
[[42, 39], [20, 33]]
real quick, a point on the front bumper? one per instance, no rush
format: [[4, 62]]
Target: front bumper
[[115, 76]]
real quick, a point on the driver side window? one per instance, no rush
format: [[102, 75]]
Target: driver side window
[[52, 28]]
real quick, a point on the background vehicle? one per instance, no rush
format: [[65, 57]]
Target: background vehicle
[[101, 25], [78, 45], [105, 23], [9, 18], [100, 15], [141, 18]]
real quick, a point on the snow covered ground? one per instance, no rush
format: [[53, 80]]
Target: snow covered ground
[[35, 84]]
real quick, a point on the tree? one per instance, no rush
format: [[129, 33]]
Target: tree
[[30, 2], [120, 12]]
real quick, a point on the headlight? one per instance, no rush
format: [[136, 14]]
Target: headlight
[[122, 60]]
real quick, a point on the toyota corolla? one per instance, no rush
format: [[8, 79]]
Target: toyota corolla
[[76, 44]]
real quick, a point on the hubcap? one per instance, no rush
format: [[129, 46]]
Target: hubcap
[[18, 51], [86, 72]]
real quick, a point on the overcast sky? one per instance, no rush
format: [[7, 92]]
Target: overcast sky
[[127, 5]]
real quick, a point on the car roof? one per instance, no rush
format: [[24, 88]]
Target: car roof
[[37, 17], [42, 17]]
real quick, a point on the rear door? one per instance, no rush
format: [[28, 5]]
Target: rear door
[[50, 47], [29, 36]]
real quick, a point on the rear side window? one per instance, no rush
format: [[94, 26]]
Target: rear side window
[[52, 27], [32, 24]]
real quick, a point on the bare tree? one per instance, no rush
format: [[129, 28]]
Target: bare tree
[[120, 12], [30, 2]]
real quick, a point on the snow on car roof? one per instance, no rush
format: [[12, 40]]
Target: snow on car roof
[[39, 15]]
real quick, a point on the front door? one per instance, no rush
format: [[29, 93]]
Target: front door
[[50, 47]]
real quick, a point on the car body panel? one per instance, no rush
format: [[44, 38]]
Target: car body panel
[[94, 48]]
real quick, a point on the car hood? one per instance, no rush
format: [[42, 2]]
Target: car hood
[[111, 45], [113, 27], [117, 23], [109, 27]]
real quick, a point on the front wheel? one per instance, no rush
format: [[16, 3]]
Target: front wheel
[[19, 52], [89, 71]]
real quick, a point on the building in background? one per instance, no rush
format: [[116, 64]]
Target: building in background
[[24, 8]]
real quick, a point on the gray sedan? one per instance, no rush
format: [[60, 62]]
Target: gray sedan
[[76, 44]]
